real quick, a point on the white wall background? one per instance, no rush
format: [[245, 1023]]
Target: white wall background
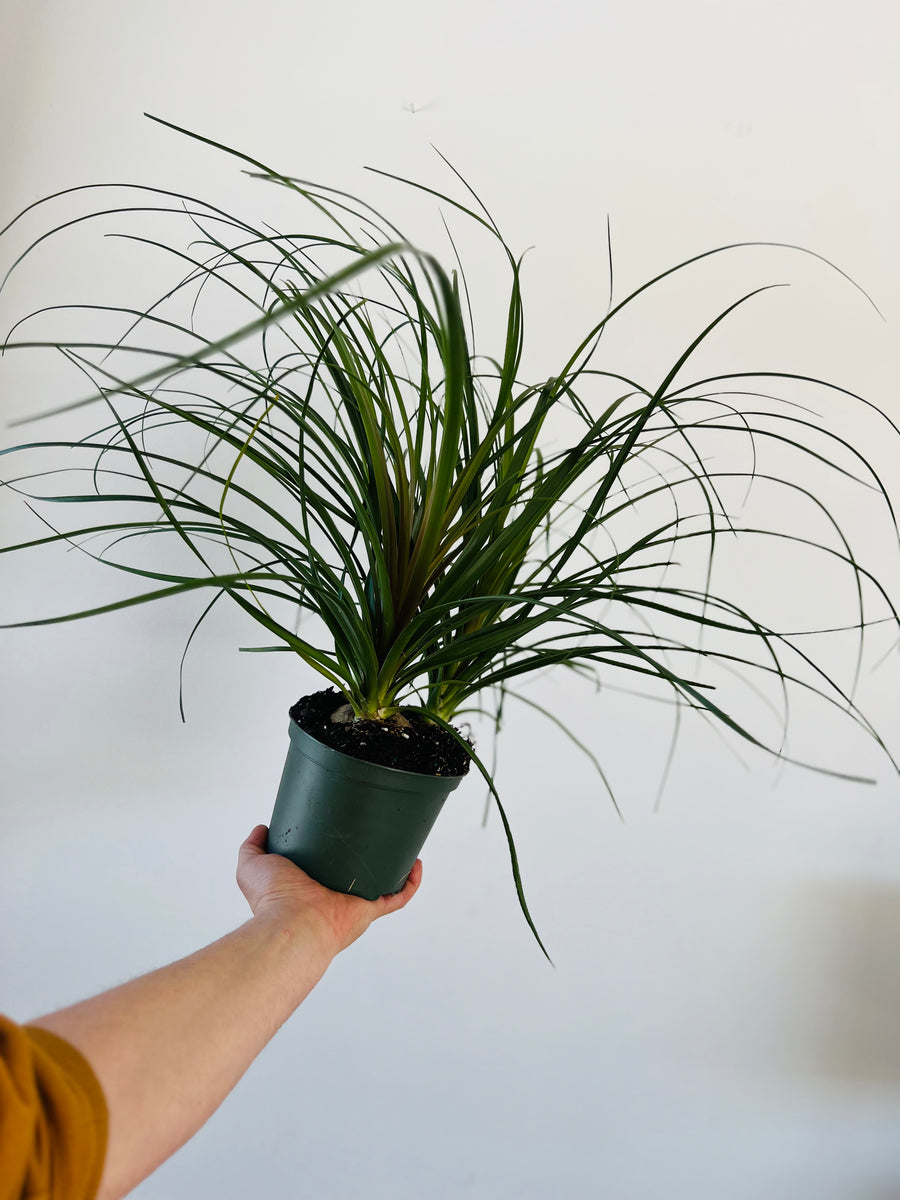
[[724, 1016]]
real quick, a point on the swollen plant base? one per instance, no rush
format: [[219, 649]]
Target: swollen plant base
[[405, 743], [357, 826]]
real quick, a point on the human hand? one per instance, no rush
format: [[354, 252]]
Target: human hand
[[276, 888]]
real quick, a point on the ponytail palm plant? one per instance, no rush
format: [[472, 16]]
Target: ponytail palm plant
[[400, 510]]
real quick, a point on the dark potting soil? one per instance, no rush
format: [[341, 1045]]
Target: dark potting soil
[[418, 745]]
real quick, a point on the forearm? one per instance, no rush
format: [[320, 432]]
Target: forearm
[[168, 1047]]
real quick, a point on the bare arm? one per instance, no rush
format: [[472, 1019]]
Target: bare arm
[[168, 1047]]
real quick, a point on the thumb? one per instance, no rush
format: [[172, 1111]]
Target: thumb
[[254, 845]]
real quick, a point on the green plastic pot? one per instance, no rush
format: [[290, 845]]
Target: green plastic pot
[[354, 826]]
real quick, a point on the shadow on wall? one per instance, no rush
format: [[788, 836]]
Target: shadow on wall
[[851, 1031]]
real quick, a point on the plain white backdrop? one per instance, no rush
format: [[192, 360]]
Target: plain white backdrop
[[724, 1016]]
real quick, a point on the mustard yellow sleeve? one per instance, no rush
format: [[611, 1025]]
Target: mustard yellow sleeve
[[53, 1118]]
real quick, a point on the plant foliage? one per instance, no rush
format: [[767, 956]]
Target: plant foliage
[[345, 454]]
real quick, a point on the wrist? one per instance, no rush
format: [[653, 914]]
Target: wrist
[[300, 937]]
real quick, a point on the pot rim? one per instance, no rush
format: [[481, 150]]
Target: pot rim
[[358, 769]]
